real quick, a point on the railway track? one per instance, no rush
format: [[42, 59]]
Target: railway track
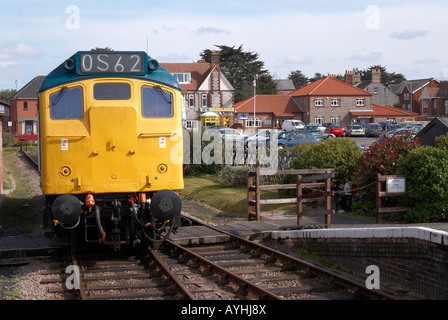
[[237, 269]]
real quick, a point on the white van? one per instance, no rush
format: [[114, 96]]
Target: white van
[[292, 125]]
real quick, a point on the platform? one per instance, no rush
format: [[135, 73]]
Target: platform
[[15, 250]]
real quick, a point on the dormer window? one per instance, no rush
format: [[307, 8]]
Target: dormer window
[[184, 77]]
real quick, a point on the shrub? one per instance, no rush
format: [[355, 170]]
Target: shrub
[[442, 142], [426, 171], [235, 176], [385, 157], [341, 154]]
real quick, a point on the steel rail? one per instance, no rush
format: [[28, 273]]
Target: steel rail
[[186, 294], [244, 285], [309, 267]]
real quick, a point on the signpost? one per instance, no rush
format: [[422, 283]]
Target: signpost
[[395, 186]]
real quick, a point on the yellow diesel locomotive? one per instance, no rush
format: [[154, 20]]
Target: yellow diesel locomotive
[[110, 149]]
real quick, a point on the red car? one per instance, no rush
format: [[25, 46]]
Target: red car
[[335, 129]]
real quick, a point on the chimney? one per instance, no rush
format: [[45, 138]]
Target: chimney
[[215, 58], [352, 77], [376, 75]]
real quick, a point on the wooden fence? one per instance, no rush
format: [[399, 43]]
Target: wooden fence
[[306, 179]]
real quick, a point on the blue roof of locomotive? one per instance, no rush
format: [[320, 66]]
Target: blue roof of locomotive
[[61, 75]]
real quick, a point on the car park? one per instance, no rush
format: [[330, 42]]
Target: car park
[[315, 127], [406, 131], [336, 130], [374, 130], [292, 139], [231, 134], [355, 130]]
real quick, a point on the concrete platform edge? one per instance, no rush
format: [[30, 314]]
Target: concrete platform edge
[[422, 233]]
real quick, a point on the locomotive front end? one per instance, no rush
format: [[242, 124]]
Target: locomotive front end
[[111, 149]]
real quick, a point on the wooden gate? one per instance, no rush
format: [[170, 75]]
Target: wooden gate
[[309, 179]]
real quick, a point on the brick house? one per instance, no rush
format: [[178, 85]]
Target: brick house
[[23, 112], [205, 90], [409, 93], [269, 111], [384, 113], [329, 100], [434, 101]]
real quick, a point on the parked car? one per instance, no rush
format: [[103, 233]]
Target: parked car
[[335, 129], [292, 125], [259, 136], [231, 134], [417, 126], [355, 130], [374, 130], [406, 131], [295, 138], [315, 127], [320, 135]]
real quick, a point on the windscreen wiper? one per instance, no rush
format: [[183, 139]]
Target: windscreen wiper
[[163, 94], [59, 96]]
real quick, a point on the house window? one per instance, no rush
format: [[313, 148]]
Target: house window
[[25, 105], [425, 104], [335, 102], [192, 125], [250, 123], [319, 120], [360, 102], [406, 96], [183, 77], [191, 100], [446, 107], [334, 119], [319, 102], [204, 101]]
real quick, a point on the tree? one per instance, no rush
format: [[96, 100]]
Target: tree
[[101, 49], [240, 68], [7, 94], [386, 77], [298, 78]]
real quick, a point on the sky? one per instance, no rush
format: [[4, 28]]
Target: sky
[[327, 37]]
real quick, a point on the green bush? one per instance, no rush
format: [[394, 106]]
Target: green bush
[[235, 176], [442, 142], [426, 171], [341, 154], [9, 140]]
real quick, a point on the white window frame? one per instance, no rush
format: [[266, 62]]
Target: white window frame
[[182, 77], [204, 100], [191, 100], [250, 123], [406, 96], [334, 120], [319, 120], [360, 102], [319, 102], [335, 102]]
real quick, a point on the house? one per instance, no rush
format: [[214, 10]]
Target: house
[[435, 128], [23, 112], [269, 111], [4, 113], [409, 92], [329, 100], [285, 86], [383, 113], [205, 89], [434, 101], [381, 94]]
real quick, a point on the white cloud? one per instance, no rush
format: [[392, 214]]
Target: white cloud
[[409, 34], [367, 56]]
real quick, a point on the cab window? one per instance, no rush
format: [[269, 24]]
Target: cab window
[[67, 104], [112, 91], [156, 102]]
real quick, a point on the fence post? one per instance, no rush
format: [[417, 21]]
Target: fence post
[[250, 197], [257, 195], [328, 202], [299, 200]]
